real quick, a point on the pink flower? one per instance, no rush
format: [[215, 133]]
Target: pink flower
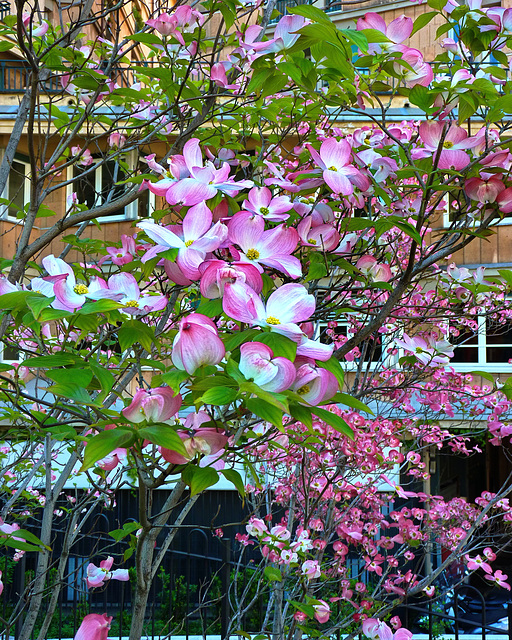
[[196, 344], [154, 405], [184, 18], [194, 239], [205, 442], [257, 363], [36, 31], [484, 190], [478, 563], [286, 306], [369, 266], [96, 576], [116, 139], [334, 158], [261, 203], [127, 291], [123, 255], [499, 578], [396, 31], [322, 611], [216, 273], [421, 72], [1, 584], [454, 143], [271, 248], [94, 627], [313, 384], [311, 569]]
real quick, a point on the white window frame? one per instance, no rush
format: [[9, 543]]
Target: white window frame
[[4, 215], [9, 360], [130, 211], [482, 346], [387, 359]]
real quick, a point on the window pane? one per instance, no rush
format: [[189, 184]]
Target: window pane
[[499, 341], [84, 186], [467, 346], [110, 174], [16, 188]]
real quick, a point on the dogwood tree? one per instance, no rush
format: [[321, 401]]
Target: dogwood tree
[[289, 306]]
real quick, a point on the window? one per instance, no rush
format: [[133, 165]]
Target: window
[[97, 185], [17, 190], [371, 352], [9, 354], [490, 344]]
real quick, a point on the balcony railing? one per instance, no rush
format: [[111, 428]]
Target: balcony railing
[[15, 78], [5, 8], [283, 5]]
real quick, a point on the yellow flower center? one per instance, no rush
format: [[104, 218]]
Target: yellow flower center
[[419, 350], [303, 390], [253, 254], [447, 144], [132, 303], [81, 289], [312, 241], [188, 243], [264, 210], [272, 320], [119, 255], [333, 169]]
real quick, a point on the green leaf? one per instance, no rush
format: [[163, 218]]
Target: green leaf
[[14, 301], [422, 20], [265, 411], [316, 271], [281, 346], [219, 396], [172, 379], [30, 537], [354, 403], [99, 306], [128, 528], [311, 12], [104, 377], [235, 478], [273, 574], [302, 414], [358, 38], [165, 436], [334, 421], [80, 377], [468, 104], [135, 331], [335, 368], [199, 478], [276, 399], [37, 303], [146, 38], [232, 341], [72, 392], [104, 443], [57, 360], [484, 374], [213, 381], [210, 308]]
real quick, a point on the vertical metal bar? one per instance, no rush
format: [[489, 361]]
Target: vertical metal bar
[[509, 615], [484, 619], [225, 579], [187, 582], [456, 612], [430, 620]]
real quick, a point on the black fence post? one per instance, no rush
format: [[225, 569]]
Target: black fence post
[[19, 581], [225, 581], [509, 615]]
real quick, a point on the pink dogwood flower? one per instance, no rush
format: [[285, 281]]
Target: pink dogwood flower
[[215, 274], [397, 31], [454, 143], [203, 182], [94, 627], [417, 70], [153, 405], [318, 236], [96, 576], [123, 255], [35, 31], [206, 442], [311, 569], [369, 266], [194, 239], [257, 363], [183, 19], [260, 202], [499, 578], [196, 344], [135, 303], [313, 384], [286, 306], [271, 248], [477, 563], [484, 189], [322, 611], [334, 160]]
